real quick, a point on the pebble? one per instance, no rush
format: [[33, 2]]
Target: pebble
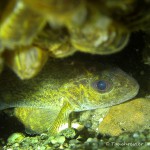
[[15, 137], [69, 133], [60, 142]]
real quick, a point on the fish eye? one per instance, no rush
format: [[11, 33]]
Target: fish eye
[[102, 85]]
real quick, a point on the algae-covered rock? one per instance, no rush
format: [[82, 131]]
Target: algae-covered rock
[[92, 119], [131, 116], [16, 138]]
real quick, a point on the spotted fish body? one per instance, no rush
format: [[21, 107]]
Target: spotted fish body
[[45, 102]]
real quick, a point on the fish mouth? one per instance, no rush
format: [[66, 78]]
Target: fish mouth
[[128, 96], [86, 107], [134, 93], [131, 91]]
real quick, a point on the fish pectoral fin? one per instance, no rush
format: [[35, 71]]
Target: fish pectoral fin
[[62, 120], [36, 120]]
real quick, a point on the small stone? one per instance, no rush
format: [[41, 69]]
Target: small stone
[[101, 143], [56, 145], [16, 144], [69, 133], [44, 136], [88, 124], [142, 137], [53, 141], [60, 139], [135, 135], [35, 140], [15, 137], [74, 141], [148, 143], [89, 140], [41, 148]]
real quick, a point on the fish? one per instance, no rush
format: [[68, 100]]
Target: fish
[[45, 102]]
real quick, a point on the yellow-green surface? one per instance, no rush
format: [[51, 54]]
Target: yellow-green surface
[[64, 86], [27, 61], [131, 116], [19, 25]]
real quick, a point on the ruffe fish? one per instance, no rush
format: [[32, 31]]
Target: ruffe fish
[[63, 86]]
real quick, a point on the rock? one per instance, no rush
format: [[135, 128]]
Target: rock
[[131, 116], [16, 137]]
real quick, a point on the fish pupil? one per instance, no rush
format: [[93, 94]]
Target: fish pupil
[[102, 85]]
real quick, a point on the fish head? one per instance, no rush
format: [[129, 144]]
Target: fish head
[[101, 88]]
